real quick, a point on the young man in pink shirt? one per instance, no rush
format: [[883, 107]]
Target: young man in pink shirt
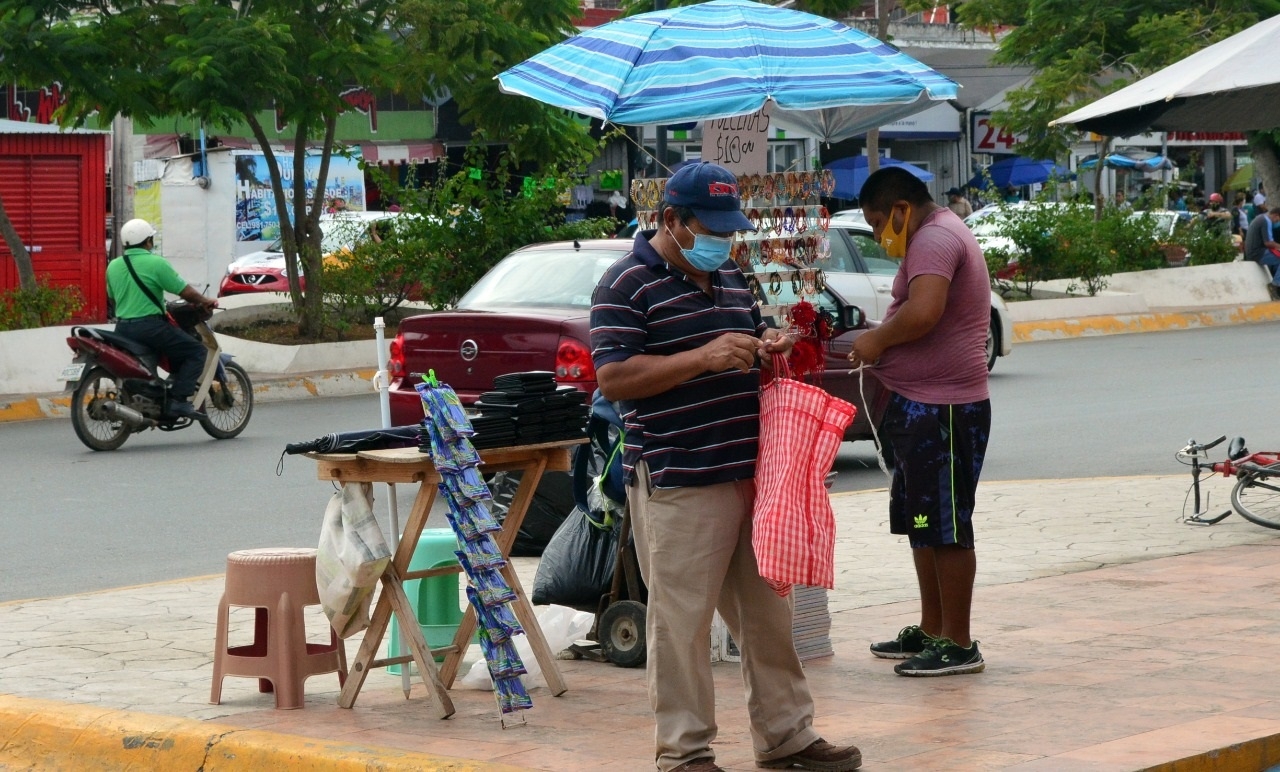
[[930, 352]]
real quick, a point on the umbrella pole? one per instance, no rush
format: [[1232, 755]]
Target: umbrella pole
[[382, 382]]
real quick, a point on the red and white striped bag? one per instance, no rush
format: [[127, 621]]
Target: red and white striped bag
[[793, 526]]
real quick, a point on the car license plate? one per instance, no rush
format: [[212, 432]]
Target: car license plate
[[72, 372]]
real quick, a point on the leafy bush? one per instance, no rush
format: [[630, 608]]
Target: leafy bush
[[1065, 241], [44, 306], [1203, 245]]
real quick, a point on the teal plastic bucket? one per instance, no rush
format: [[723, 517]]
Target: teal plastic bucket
[[435, 600]]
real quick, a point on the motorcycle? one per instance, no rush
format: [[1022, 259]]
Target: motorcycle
[[116, 390]]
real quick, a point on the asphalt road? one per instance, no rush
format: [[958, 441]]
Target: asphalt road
[[169, 506]]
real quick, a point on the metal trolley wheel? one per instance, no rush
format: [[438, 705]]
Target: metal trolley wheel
[[622, 633]]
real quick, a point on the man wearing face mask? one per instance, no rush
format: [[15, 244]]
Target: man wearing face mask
[[931, 353], [676, 336]]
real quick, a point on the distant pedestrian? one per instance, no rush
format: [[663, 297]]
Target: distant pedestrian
[[1260, 242], [957, 203], [1122, 203], [931, 353]]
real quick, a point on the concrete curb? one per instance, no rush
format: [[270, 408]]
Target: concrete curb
[[1155, 321], [266, 388], [43, 734], [1262, 753]]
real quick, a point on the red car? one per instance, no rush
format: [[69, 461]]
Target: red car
[[531, 312]]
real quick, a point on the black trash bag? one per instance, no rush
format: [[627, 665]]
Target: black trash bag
[[578, 564], [552, 503]]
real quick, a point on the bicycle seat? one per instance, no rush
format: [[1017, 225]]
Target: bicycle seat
[[1237, 449]]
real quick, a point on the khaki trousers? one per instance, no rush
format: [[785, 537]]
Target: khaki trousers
[[694, 550]]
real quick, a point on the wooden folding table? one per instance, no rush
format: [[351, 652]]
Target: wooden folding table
[[409, 465]]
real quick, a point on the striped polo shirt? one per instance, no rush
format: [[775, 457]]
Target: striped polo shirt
[[706, 430]]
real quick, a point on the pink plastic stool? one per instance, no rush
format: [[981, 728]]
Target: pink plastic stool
[[277, 582]]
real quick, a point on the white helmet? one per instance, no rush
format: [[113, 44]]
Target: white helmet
[[135, 232]]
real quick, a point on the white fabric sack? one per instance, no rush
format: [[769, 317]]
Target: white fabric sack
[[560, 625], [352, 556]]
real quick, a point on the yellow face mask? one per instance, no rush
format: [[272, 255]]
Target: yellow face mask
[[895, 242]]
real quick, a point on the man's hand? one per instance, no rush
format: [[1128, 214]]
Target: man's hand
[[731, 351], [866, 349], [774, 342]]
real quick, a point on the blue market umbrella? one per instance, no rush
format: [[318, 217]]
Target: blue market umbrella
[[1141, 160], [727, 58], [851, 173], [1018, 171]]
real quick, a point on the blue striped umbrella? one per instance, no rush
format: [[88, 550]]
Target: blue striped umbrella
[[852, 173], [726, 58]]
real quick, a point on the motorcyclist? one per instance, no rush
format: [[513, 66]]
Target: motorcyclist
[[141, 315]]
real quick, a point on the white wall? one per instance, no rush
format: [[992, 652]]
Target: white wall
[[198, 224]]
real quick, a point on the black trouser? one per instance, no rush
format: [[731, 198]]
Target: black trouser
[[186, 354]]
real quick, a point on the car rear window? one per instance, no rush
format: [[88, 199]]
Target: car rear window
[[542, 278]]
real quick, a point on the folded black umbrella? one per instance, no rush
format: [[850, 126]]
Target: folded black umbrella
[[350, 442]]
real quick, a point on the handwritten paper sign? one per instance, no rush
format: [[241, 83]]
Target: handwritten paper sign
[[739, 144]]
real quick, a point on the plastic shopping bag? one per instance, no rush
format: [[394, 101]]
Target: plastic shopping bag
[[351, 558]]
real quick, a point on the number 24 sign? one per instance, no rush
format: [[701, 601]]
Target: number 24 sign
[[991, 138]]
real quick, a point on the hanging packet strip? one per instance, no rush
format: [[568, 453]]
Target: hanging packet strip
[[446, 411], [467, 486], [469, 520], [511, 695], [502, 658], [483, 553], [450, 456], [489, 584], [497, 619]]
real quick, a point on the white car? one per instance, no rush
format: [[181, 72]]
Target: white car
[[861, 272]]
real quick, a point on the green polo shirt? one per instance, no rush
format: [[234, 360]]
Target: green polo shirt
[[153, 270]]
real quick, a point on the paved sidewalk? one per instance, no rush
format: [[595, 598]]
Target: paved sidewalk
[[1117, 638]]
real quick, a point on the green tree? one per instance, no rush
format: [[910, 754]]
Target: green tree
[[226, 61], [458, 46], [1084, 49], [218, 61]]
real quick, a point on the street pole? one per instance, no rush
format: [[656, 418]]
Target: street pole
[[121, 179]]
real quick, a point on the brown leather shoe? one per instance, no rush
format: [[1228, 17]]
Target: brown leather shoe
[[704, 764], [821, 755]]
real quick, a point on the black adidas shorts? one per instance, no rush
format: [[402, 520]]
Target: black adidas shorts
[[938, 452]]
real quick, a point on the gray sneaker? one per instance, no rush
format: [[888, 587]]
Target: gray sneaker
[[911, 641], [942, 657]]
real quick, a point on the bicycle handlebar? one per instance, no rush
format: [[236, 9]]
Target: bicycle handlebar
[[1195, 447]]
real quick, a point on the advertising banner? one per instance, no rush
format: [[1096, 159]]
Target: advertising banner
[[256, 215]]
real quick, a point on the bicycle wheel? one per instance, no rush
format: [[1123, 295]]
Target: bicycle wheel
[[1256, 498]]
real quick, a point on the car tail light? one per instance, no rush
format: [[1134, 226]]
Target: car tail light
[[573, 361], [395, 360]]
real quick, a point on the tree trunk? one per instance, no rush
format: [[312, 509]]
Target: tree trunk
[[22, 258], [1266, 162], [1104, 150]]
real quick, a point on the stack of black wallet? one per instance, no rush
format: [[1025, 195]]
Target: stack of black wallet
[[528, 409]]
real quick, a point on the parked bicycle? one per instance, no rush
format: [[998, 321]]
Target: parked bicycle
[[1256, 495]]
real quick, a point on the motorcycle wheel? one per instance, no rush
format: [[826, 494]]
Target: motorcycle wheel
[[228, 406], [93, 426]]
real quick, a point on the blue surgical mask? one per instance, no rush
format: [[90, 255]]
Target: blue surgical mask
[[708, 252]]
